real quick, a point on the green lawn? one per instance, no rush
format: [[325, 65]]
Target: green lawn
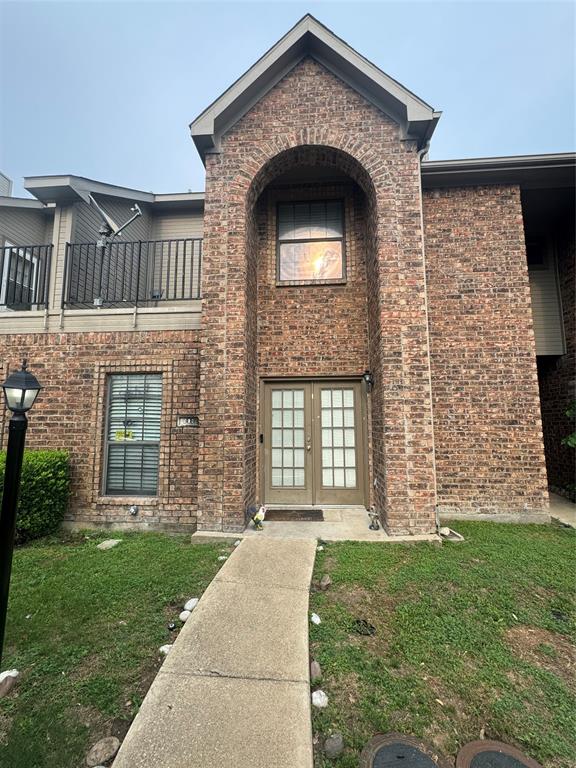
[[84, 628], [469, 636]]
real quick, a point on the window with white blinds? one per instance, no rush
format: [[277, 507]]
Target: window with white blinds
[[133, 433]]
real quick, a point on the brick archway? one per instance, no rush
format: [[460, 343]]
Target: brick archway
[[387, 170]]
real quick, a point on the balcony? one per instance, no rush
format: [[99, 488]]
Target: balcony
[[143, 273], [25, 275]]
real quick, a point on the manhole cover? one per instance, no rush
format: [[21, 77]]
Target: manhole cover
[[493, 754], [396, 751]]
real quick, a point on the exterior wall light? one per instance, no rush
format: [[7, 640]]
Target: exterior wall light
[[21, 389], [368, 379]]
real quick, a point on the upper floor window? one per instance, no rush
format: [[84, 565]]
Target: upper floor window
[[311, 242], [133, 434]]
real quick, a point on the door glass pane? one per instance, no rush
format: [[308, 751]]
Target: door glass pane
[[338, 451], [287, 455]]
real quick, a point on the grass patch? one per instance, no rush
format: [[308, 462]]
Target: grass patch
[[469, 637], [84, 628]]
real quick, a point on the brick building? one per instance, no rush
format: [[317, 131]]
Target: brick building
[[335, 321]]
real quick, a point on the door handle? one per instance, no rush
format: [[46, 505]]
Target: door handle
[[308, 447]]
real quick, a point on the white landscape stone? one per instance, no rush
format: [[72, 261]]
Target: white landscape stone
[[320, 548], [165, 649], [189, 605], [184, 616], [319, 699], [223, 557], [237, 542], [108, 544], [8, 681], [315, 619]]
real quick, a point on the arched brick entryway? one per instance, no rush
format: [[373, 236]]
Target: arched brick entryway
[[387, 169]]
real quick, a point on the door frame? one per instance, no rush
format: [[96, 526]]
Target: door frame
[[362, 431]]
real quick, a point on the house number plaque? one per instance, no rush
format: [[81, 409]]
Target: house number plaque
[[188, 421]]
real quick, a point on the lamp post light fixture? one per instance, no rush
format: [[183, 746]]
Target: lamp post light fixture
[[368, 379], [21, 389]]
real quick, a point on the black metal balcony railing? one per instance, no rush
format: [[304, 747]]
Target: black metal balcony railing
[[24, 276], [140, 273]]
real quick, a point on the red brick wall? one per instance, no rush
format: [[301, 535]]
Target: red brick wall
[[488, 434], [557, 376], [311, 117], [312, 330], [69, 414]]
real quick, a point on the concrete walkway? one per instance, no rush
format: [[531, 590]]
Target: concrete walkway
[[562, 509], [234, 690], [339, 524]]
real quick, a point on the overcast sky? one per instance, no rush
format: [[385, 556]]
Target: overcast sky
[[107, 89]]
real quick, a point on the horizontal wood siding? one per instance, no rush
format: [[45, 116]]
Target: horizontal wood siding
[[25, 227], [172, 225], [546, 311]]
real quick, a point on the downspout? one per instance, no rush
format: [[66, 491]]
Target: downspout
[[421, 153]]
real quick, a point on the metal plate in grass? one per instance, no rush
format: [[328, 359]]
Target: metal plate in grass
[[396, 751], [295, 515], [493, 754], [363, 627]]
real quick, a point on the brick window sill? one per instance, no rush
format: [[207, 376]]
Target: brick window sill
[[308, 283], [127, 501]]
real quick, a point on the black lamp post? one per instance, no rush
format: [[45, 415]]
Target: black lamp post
[[20, 391]]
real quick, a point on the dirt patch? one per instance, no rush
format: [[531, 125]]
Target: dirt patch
[[552, 652]]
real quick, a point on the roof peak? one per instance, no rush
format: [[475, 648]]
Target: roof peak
[[309, 37]]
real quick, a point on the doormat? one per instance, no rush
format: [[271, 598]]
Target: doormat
[[295, 515]]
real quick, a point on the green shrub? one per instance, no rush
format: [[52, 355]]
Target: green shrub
[[44, 490]]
